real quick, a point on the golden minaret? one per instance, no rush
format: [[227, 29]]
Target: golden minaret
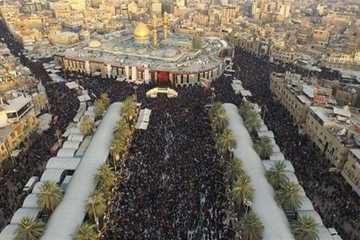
[[154, 32], [166, 26]]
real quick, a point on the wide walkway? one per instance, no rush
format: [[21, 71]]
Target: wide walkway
[[273, 218], [69, 215]]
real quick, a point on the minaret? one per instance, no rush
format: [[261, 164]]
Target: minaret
[[154, 32], [166, 26]]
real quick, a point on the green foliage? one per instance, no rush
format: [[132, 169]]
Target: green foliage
[[250, 227], [263, 147], [49, 197], [86, 125], [87, 232], [99, 108], [226, 141], [106, 180], [242, 191], [288, 196], [251, 118], [96, 206], [104, 98], [234, 170], [277, 175], [218, 118], [305, 228], [29, 229]]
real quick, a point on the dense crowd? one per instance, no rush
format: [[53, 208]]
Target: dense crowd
[[337, 204], [174, 186], [15, 171]]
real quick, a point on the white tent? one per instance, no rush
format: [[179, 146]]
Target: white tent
[[76, 137], [268, 164], [9, 232], [71, 144], [31, 201], [69, 215], [66, 152], [32, 213], [52, 175], [277, 156], [276, 226], [63, 163], [37, 187]]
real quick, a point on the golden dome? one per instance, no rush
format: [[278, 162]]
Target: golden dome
[[141, 32], [95, 44]]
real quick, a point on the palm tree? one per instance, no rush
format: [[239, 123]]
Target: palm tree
[[29, 229], [289, 196], [263, 147], [250, 227], [226, 141], [106, 180], [128, 109], [218, 117], [49, 197], [242, 191], [234, 170], [118, 148], [104, 98], [86, 126], [252, 121], [87, 232], [99, 108], [245, 108], [305, 228], [96, 207], [277, 175]]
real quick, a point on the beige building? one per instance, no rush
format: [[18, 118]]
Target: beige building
[[17, 120], [351, 170], [291, 96], [333, 129]]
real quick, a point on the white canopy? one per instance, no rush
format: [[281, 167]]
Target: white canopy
[[32, 213], [72, 85], [71, 144], [66, 152], [306, 205], [9, 232], [279, 156], [68, 216], [37, 187], [276, 226], [76, 137], [84, 98], [63, 163], [52, 175], [268, 164], [31, 201]]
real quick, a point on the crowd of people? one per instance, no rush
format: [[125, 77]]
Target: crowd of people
[[15, 171], [334, 199], [174, 186]]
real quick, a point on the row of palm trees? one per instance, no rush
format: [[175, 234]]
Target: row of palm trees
[[49, 198], [110, 174], [51, 194], [101, 105], [239, 191], [287, 193], [288, 196], [262, 145]]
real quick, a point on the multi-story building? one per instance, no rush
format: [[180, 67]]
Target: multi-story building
[[17, 121], [351, 170], [334, 129]]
